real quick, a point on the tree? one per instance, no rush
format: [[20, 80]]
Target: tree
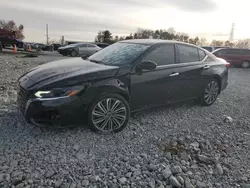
[[203, 42], [228, 43], [99, 37], [171, 30], [135, 36], [107, 36], [121, 38], [129, 37], [104, 36], [11, 26], [216, 43], [243, 43], [196, 41], [191, 41]]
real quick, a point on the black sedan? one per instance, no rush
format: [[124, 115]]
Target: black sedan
[[127, 76]]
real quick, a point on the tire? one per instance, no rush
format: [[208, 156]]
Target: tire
[[109, 122], [245, 64], [73, 53], [210, 93]]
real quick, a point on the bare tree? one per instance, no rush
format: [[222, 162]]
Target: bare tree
[[11, 26]]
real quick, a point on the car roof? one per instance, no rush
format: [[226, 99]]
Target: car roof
[[152, 42]]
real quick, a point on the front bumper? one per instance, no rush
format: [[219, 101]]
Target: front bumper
[[61, 111]]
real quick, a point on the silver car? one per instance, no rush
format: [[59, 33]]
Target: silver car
[[79, 49]]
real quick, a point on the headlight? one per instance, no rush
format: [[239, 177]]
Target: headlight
[[59, 92]]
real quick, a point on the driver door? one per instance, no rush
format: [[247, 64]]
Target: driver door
[[155, 87], [83, 49]]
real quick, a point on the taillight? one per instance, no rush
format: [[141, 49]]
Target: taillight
[[227, 65]]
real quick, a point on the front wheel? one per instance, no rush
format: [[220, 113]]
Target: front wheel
[[210, 93], [73, 53], [108, 114]]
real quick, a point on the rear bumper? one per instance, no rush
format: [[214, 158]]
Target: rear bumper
[[61, 111]]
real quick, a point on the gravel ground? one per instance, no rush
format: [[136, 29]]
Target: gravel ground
[[183, 145]]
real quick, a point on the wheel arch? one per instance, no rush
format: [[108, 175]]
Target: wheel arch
[[104, 87], [218, 79]]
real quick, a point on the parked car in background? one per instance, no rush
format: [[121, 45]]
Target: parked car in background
[[51, 47], [212, 48], [235, 56], [102, 45], [79, 49], [127, 76]]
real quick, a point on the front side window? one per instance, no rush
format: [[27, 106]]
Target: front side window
[[202, 54], [188, 54], [162, 55], [119, 53], [210, 49]]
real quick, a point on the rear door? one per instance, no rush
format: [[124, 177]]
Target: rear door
[[83, 49], [92, 49], [190, 66]]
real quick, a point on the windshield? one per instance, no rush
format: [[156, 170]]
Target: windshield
[[119, 53]]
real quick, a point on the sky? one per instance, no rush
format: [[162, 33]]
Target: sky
[[82, 19]]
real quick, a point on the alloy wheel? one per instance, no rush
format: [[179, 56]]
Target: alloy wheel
[[109, 115], [73, 53], [245, 64], [211, 92]]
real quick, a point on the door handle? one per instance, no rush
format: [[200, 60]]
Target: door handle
[[174, 74], [206, 67]]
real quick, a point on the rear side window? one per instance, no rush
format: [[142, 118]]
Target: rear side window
[[91, 46], [220, 52], [162, 55], [202, 54], [245, 52], [83, 45], [188, 54], [210, 49]]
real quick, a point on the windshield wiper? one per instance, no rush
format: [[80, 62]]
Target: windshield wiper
[[96, 61]]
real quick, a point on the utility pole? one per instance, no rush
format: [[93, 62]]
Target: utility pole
[[47, 33], [62, 40], [231, 36]]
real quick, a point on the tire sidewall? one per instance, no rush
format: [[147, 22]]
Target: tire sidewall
[[102, 97], [203, 101], [73, 51], [246, 66]]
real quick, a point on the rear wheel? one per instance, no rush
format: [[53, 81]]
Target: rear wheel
[[210, 93], [108, 114], [73, 53], [245, 64]]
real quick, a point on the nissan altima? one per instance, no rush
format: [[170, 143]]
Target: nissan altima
[[124, 77]]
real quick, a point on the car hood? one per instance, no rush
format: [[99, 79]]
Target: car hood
[[68, 72]]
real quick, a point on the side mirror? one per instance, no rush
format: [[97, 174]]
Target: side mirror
[[147, 65]]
